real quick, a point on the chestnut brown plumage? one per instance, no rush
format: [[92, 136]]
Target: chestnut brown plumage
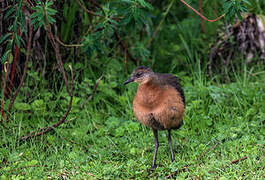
[[159, 103]]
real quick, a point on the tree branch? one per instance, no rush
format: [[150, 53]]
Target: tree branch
[[159, 25], [211, 148], [6, 67], [125, 48], [241, 159], [184, 169], [4, 9], [23, 76], [56, 48], [97, 5], [67, 45], [170, 5], [14, 63], [47, 129], [202, 16], [88, 11], [95, 88], [202, 22]]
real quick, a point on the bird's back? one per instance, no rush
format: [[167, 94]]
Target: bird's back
[[169, 79], [160, 103]]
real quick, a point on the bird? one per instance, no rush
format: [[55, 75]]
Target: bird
[[159, 103]]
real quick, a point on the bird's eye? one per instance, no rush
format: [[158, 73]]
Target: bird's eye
[[139, 74]]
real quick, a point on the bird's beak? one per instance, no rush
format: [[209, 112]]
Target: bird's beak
[[131, 79]]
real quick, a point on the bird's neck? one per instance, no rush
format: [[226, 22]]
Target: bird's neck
[[152, 81], [150, 91]]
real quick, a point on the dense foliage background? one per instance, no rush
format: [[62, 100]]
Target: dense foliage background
[[57, 127]]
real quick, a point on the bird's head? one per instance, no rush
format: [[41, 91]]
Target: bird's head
[[140, 75]]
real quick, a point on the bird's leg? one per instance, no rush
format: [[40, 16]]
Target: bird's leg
[[156, 147], [170, 144]]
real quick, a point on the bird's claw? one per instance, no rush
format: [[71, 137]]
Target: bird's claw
[[149, 171]]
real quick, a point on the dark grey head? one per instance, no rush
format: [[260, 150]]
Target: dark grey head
[[140, 75]]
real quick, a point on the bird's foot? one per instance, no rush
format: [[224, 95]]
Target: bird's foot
[[172, 158], [153, 167], [149, 171]]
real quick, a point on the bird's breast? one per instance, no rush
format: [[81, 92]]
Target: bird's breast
[[148, 97], [160, 106]]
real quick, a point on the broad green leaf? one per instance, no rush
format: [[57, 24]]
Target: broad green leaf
[[22, 106]]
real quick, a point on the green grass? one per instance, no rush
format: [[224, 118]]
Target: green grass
[[223, 123]]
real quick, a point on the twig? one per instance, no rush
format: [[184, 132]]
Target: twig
[[98, 6], [159, 25], [95, 88], [88, 11], [185, 168], [201, 11], [4, 9], [90, 174], [170, 5], [70, 120], [24, 74], [125, 48], [56, 48], [70, 92], [1, 28], [125, 61], [72, 142], [93, 13], [202, 16], [14, 63], [211, 148], [47, 129], [31, 4], [258, 73], [67, 45], [24, 167], [241, 159], [6, 65]]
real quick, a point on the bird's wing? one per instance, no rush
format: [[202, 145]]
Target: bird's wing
[[172, 80]]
